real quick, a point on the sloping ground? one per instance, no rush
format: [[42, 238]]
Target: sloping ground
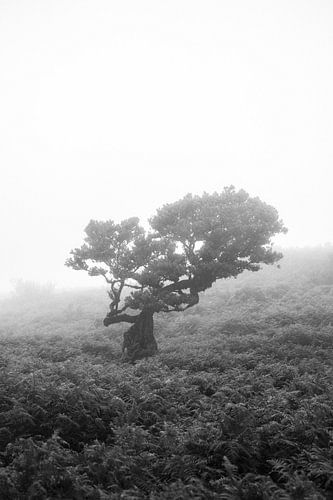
[[238, 404]]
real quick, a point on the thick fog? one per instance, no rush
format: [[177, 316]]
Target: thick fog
[[112, 108]]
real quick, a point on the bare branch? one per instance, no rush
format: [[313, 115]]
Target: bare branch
[[179, 308], [106, 279], [178, 286], [119, 318]]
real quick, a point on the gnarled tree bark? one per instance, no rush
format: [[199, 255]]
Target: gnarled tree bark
[[139, 341]]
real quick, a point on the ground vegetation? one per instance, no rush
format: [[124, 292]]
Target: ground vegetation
[[237, 405]]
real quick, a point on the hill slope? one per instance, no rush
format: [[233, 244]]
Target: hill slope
[[237, 405]]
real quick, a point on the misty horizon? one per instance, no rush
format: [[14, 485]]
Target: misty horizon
[[80, 281]]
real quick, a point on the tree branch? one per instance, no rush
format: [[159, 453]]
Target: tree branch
[[178, 286], [106, 279], [179, 308], [111, 320]]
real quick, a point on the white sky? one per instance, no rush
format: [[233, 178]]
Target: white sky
[[110, 108]]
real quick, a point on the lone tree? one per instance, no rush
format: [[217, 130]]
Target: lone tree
[[191, 244]]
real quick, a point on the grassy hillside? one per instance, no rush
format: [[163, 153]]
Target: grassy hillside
[[237, 405]]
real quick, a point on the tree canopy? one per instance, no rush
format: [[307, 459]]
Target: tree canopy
[[190, 244]]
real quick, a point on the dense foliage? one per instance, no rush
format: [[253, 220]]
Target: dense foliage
[[238, 405], [191, 243]]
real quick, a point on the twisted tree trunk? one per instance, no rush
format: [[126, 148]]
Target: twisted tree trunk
[[139, 341]]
